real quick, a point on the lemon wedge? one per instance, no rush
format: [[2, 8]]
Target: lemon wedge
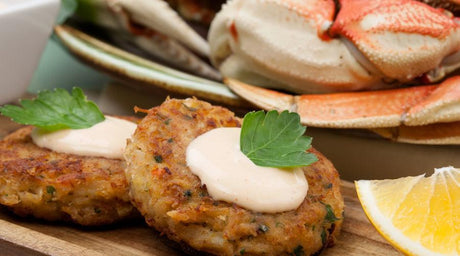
[[418, 215]]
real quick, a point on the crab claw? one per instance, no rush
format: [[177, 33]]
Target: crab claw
[[157, 15], [402, 39], [153, 27], [282, 44], [413, 106], [375, 44]]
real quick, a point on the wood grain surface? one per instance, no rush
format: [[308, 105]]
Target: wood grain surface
[[19, 236]]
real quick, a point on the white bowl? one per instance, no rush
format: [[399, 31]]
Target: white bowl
[[25, 26]]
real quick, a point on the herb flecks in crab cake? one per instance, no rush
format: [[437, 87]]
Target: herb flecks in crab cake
[[73, 181], [175, 201]]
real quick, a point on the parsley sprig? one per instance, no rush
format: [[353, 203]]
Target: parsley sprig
[[55, 110], [275, 140]]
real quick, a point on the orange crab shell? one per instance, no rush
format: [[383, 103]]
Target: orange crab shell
[[424, 35], [431, 111]]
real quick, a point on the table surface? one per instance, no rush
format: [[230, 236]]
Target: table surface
[[31, 237]]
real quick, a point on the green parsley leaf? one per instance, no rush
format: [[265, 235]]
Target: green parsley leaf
[[55, 110], [275, 140], [324, 237], [50, 190], [330, 216], [298, 251]]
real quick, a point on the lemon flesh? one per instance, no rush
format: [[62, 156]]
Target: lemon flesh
[[418, 215]]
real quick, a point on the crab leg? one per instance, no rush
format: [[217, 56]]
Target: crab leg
[[412, 106], [157, 15], [443, 105], [174, 53], [153, 14], [323, 111], [432, 134], [126, 31]]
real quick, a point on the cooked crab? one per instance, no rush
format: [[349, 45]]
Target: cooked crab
[[310, 47], [155, 27], [199, 11]]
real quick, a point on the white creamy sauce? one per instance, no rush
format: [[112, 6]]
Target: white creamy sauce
[[105, 139], [215, 157]]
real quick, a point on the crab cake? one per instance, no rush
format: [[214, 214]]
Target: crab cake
[[174, 202], [61, 187]]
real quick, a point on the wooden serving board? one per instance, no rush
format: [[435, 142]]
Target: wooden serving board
[[19, 236]]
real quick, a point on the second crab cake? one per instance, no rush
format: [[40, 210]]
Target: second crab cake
[[57, 186], [174, 201]]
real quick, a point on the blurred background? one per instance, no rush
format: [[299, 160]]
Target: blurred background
[[57, 68]]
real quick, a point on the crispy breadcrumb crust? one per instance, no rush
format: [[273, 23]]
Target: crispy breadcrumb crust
[[38, 182], [174, 202]]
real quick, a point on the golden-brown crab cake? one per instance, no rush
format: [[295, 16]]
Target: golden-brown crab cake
[[173, 201], [61, 187]]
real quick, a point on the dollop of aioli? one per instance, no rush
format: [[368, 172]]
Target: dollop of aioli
[[104, 139], [229, 175]]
